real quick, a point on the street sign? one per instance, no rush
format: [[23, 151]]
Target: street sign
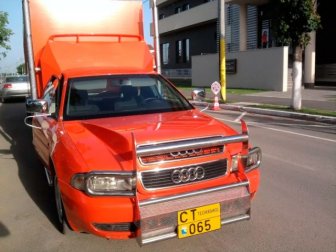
[[215, 88]]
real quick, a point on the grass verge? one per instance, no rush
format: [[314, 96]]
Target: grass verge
[[310, 111]]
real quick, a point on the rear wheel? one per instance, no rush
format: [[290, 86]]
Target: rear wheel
[[62, 224]]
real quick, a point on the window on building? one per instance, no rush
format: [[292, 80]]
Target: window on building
[[165, 53], [186, 50], [183, 51], [179, 51], [252, 27], [232, 28], [186, 7]]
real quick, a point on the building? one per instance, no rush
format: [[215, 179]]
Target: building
[[189, 40]]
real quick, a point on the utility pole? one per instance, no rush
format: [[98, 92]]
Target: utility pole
[[29, 46], [222, 61], [156, 37]]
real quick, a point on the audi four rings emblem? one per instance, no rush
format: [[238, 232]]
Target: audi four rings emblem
[[187, 174], [185, 153]]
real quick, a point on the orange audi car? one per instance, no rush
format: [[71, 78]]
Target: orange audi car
[[127, 155]]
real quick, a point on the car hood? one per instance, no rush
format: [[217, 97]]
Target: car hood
[[109, 143]]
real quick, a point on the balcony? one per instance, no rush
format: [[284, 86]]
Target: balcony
[[160, 2], [194, 16]]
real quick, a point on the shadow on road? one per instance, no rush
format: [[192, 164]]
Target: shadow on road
[[3, 230], [30, 170]]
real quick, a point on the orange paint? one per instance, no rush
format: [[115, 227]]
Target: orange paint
[[107, 48]]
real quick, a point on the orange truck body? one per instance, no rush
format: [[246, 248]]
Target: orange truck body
[[81, 18], [151, 166]]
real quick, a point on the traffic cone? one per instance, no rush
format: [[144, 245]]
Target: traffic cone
[[216, 104]]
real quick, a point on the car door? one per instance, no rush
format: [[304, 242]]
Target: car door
[[45, 125]]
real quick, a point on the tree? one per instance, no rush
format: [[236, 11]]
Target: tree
[[21, 69], [5, 34], [292, 23]]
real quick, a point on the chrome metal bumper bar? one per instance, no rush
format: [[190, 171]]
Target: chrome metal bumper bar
[[154, 149], [174, 235], [254, 151], [158, 217], [195, 193]]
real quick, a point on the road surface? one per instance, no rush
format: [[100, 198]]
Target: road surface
[[294, 210]]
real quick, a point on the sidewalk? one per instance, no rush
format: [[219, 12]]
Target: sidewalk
[[321, 98]]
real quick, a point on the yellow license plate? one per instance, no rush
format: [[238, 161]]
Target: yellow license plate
[[198, 220]]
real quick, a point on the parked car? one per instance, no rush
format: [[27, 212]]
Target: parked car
[[14, 86]]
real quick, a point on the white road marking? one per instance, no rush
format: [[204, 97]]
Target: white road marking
[[293, 133], [240, 117], [283, 131], [205, 108], [290, 163], [304, 125]]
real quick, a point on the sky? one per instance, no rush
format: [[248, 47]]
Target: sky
[[15, 56]]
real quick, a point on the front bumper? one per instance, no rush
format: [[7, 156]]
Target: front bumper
[[151, 220], [158, 217]]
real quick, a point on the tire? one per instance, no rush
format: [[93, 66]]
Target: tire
[[62, 224]]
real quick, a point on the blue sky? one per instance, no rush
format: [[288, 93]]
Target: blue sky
[[16, 56]]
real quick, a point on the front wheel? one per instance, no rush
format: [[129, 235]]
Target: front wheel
[[62, 224]]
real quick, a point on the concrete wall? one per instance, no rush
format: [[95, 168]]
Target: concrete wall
[[261, 69], [205, 69]]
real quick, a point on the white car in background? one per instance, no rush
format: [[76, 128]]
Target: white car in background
[[14, 87]]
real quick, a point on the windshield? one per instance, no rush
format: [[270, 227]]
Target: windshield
[[15, 79], [121, 95]]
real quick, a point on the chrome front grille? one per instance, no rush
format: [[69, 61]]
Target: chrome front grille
[[183, 175]]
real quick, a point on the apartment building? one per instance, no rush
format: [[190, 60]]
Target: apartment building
[[189, 38]]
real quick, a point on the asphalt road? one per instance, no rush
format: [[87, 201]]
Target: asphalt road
[[294, 210]]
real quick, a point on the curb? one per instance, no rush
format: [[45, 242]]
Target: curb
[[272, 112]]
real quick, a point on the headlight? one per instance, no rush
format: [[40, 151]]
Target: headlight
[[106, 183]]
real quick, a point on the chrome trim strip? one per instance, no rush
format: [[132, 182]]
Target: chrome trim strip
[[235, 219], [173, 235], [194, 193], [157, 238], [159, 148], [178, 159]]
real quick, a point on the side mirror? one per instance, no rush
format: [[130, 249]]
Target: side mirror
[[40, 107], [36, 106], [198, 94]]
